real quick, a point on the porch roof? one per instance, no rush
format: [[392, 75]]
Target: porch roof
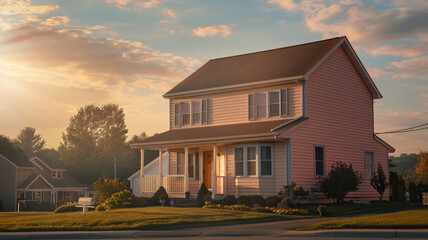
[[268, 130]]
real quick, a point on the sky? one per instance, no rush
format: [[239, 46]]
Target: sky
[[58, 56]]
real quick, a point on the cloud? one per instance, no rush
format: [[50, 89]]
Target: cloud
[[169, 12], [405, 69], [119, 3], [221, 30], [24, 7], [149, 4], [55, 21], [289, 5], [102, 60]]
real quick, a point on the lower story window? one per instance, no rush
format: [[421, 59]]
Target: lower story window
[[369, 159], [191, 165], [180, 163], [319, 161], [266, 160]]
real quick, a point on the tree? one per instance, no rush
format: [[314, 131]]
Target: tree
[[95, 137], [29, 141], [341, 180], [105, 187], [378, 181], [421, 169]]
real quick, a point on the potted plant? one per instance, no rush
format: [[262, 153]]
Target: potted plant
[[162, 199], [207, 199]]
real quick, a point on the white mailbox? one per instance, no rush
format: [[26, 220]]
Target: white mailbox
[[85, 203]]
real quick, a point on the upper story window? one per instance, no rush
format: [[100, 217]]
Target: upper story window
[[268, 104], [56, 174], [191, 113]]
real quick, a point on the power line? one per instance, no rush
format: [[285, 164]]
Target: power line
[[410, 129]]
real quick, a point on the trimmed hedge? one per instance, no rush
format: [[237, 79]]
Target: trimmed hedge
[[272, 201], [229, 200], [154, 201], [251, 200], [203, 191]]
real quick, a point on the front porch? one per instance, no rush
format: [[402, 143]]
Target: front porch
[[190, 166]]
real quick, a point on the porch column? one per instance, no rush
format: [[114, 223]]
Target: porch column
[[141, 172], [214, 171], [160, 167], [186, 169]]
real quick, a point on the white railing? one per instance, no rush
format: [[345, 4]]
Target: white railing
[[150, 183], [173, 183], [219, 186]]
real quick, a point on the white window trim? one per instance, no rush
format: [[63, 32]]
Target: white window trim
[[245, 162], [315, 162], [180, 114], [272, 160], [194, 165], [280, 115]]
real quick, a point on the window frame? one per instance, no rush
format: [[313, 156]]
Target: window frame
[[182, 104], [256, 106], [203, 113], [245, 161], [193, 161], [281, 104], [271, 160], [372, 165], [53, 174], [315, 161], [182, 163], [269, 103], [193, 113]]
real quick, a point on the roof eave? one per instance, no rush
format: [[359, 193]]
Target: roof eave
[[232, 87]]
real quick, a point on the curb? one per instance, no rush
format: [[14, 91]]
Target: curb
[[361, 233]]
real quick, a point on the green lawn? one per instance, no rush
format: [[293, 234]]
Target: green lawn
[[398, 220], [334, 210], [131, 218]]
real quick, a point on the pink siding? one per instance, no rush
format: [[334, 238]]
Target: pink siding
[[221, 111], [340, 111]]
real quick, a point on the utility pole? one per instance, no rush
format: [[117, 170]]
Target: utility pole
[[115, 168]]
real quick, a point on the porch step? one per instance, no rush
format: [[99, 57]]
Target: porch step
[[185, 202]]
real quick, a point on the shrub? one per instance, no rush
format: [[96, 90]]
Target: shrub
[[413, 193], [140, 202], [244, 200], [273, 201], [69, 207], [105, 187], [378, 181], [292, 193], [203, 191], [229, 200], [119, 200], [239, 207], [159, 194], [257, 200], [341, 180], [100, 208], [398, 187]]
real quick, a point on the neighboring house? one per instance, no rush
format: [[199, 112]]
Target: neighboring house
[[251, 123], [150, 169], [34, 178]]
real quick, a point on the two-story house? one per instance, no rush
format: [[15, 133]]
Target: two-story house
[[29, 178], [251, 123]]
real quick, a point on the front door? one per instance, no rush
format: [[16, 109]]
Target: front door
[[208, 161]]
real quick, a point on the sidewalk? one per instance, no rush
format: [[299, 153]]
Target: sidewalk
[[218, 233]]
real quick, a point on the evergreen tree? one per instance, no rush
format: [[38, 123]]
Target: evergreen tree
[[378, 181]]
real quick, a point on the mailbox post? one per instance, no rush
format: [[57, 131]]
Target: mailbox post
[[85, 203]]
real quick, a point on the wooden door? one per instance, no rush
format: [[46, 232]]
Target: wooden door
[[208, 161]]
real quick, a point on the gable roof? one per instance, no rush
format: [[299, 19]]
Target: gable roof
[[219, 133], [51, 164], [16, 156], [271, 66]]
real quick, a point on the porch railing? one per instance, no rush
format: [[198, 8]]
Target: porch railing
[[173, 183], [220, 184], [150, 183]]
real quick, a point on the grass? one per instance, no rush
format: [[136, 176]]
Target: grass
[[131, 219], [398, 220], [335, 210]]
